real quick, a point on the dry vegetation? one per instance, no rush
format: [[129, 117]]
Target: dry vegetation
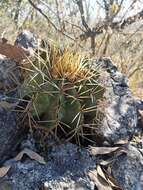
[[74, 24]]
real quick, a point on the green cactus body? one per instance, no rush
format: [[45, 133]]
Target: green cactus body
[[90, 93], [69, 102], [46, 104], [70, 109], [60, 104]]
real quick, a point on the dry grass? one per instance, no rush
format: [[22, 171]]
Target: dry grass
[[125, 49]]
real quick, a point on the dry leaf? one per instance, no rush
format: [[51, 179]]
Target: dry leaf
[[33, 155], [30, 153], [4, 170], [101, 173], [120, 152], [114, 185], [109, 170], [102, 150], [103, 180], [106, 162], [122, 142], [111, 180], [101, 185], [7, 105], [13, 52]]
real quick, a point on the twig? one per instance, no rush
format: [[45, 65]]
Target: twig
[[50, 22]]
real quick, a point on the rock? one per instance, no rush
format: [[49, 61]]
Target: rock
[[5, 185], [120, 112], [10, 134], [67, 165], [27, 40], [139, 104], [68, 184], [65, 169], [24, 46], [10, 74], [127, 169]]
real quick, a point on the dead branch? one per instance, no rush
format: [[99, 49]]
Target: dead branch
[[49, 21]]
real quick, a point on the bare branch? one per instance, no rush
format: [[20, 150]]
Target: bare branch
[[58, 14], [80, 6], [49, 21], [16, 16], [132, 19]]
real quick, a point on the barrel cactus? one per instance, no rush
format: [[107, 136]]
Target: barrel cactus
[[66, 92]]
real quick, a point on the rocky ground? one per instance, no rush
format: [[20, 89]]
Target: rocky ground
[[114, 163]]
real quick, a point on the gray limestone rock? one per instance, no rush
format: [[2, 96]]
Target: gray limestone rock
[[120, 120], [127, 169], [26, 39], [65, 169], [68, 164], [10, 134], [10, 74]]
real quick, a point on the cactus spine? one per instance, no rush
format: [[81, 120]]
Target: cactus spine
[[67, 91]]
